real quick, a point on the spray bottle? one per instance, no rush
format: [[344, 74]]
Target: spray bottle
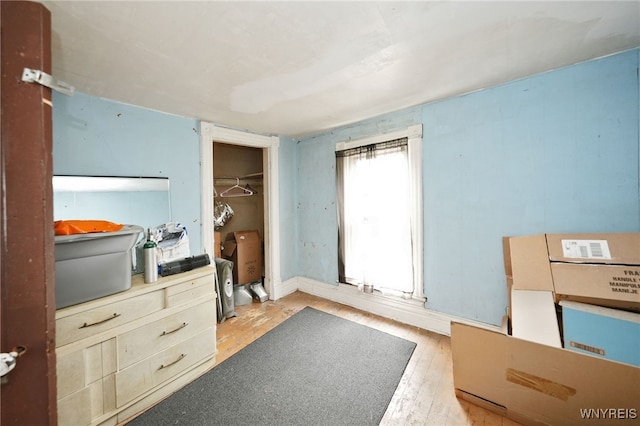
[[150, 259]]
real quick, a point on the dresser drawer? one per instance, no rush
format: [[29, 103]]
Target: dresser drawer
[[69, 413], [153, 371], [70, 373], [190, 290], [142, 342], [79, 369], [88, 404], [93, 321]]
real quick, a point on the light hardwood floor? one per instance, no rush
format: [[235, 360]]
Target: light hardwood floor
[[425, 395]]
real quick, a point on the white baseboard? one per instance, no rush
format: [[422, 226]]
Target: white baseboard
[[405, 311], [285, 288]]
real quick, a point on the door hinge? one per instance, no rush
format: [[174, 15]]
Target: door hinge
[[37, 76]]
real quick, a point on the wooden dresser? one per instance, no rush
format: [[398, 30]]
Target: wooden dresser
[[120, 354]]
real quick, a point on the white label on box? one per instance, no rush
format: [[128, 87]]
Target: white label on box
[[586, 249]]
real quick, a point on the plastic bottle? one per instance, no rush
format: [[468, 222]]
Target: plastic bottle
[[150, 260]]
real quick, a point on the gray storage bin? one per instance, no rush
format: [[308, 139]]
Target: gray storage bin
[[94, 265]]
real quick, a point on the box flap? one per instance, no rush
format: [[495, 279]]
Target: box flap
[[229, 247], [616, 286], [530, 263], [612, 248], [533, 317], [245, 236], [479, 361]]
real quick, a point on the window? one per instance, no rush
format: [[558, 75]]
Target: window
[[380, 213]]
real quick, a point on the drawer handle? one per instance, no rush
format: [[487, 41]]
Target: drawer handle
[[174, 362], [85, 325], [180, 327]]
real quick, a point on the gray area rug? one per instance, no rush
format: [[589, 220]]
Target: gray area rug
[[313, 369]]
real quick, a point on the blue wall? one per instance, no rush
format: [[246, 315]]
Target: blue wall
[[93, 136], [556, 152]]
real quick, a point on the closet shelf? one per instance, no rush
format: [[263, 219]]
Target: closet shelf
[[252, 175], [253, 178]]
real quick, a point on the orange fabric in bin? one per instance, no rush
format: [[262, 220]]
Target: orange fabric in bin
[[71, 227]]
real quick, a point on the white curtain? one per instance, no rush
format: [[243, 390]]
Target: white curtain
[[374, 209]]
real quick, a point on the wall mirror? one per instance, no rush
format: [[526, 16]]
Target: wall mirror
[[143, 201]]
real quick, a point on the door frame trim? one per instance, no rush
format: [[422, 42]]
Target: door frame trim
[[210, 133], [27, 260]]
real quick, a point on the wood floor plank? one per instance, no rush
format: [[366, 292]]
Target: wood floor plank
[[409, 387], [426, 388], [425, 394]]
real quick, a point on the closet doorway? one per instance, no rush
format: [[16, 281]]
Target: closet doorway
[[238, 192], [243, 152]]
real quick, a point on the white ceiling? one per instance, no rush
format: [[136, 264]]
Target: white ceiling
[[298, 67]]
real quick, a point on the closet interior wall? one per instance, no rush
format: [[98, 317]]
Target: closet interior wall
[[231, 162]]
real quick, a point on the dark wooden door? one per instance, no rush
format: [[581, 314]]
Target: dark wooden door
[[27, 309]]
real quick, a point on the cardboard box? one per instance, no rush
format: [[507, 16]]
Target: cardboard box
[[533, 383], [217, 244], [244, 249], [601, 269], [606, 333], [531, 378], [534, 317]]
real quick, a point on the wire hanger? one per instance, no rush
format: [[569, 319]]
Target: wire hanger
[[246, 192], [247, 186]]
